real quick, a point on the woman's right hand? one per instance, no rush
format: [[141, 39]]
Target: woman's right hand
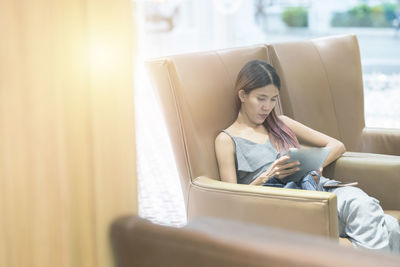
[[281, 168]]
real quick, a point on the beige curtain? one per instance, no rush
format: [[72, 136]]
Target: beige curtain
[[67, 150]]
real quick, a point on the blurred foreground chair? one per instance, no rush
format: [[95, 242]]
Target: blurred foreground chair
[[215, 242], [197, 95]]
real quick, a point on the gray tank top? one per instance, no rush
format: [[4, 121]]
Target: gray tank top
[[252, 159]]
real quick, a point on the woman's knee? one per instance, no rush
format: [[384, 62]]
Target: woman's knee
[[349, 193], [365, 203], [362, 207]]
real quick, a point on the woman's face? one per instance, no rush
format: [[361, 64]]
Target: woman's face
[[257, 104]]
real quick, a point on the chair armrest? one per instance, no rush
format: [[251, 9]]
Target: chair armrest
[[381, 141], [298, 210], [378, 175]]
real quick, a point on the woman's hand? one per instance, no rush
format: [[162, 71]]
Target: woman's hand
[[316, 177], [279, 169], [320, 171]]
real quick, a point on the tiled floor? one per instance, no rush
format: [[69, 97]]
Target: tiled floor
[[160, 195]]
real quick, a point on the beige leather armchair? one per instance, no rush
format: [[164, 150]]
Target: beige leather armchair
[[197, 97]]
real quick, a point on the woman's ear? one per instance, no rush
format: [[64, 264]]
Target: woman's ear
[[242, 95]]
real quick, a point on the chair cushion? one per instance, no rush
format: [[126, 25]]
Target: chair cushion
[[345, 242], [394, 213]]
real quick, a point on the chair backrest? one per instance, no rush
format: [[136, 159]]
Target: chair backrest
[[198, 100], [322, 85]]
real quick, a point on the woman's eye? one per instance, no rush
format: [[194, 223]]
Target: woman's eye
[[261, 99], [273, 99]]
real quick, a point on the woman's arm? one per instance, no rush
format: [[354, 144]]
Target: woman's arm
[[308, 135], [225, 152]]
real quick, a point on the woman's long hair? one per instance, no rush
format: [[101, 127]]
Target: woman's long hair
[[256, 74]]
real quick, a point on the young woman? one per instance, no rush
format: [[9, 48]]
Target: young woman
[[249, 152]]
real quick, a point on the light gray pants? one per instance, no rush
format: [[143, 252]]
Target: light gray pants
[[362, 219]]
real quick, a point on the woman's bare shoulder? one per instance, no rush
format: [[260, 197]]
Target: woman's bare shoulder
[[224, 141], [224, 146], [223, 138]]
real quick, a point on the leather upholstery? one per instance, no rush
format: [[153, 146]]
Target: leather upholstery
[[197, 97], [382, 141], [215, 242], [377, 174], [299, 210]]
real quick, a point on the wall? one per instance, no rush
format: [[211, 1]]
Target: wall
[[67, 150]]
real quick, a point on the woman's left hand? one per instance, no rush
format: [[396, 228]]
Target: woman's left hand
[[320, 171], [316, 177]]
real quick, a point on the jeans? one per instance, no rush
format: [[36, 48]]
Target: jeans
[[307, 183]]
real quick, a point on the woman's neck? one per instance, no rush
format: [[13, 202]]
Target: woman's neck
[[242, 122]]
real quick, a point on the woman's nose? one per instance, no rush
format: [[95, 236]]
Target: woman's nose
[[266, 106]]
